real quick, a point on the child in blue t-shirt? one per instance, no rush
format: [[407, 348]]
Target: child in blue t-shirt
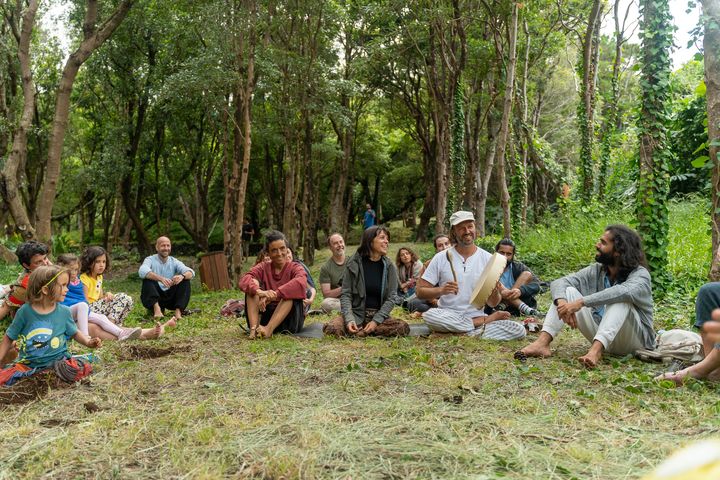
[[80, 309], [42, 327]]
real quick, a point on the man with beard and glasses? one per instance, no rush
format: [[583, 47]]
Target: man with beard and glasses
[[451, 277], [610, 302]]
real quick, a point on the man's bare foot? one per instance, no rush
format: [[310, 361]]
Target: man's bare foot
[[593, 356], [178, 313], [263, 332], [538, 348], [590, 359], [171, 323], [253, 333], [499, 315], [152, 333]]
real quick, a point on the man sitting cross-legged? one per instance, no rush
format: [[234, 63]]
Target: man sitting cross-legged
[[451, 278], [275, 291], [518, 284], [331, 274], [610, 302]]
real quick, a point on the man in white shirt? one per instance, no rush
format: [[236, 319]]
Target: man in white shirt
[[455, 313]]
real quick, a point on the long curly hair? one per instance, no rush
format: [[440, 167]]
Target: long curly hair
[[404, 271], [628, 244]]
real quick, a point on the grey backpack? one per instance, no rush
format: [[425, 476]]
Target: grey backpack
[[672, 345]]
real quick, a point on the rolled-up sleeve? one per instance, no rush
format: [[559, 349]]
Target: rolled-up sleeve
[[145, 268], [181, 268]]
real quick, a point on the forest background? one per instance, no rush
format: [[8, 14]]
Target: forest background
[[187, 118], [184, 117]]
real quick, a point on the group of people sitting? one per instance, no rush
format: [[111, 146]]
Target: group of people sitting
[[610, 301], [50, 303]]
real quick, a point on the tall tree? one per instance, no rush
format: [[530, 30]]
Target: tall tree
[[711, 46], [656, 33], [611, 100], [245, 38], [18, 153], [511, 59], [586, 107], [94, 36]]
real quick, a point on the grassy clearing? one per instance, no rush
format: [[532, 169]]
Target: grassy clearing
[[218, 406]]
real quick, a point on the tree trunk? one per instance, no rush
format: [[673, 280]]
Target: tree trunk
[[654, 178], [711, 44], [587, 106], [9, 187], [483, 180], [505, 122], [93, 38]]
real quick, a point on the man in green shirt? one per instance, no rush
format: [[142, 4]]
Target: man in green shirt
[[331, 274]]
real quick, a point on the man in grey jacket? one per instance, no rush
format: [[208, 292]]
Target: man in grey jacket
[[610, 302]]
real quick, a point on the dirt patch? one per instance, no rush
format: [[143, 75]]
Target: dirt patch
[[31, 388], [142, 352], [57, 422]]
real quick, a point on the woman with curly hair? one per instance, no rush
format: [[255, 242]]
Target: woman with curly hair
[[409, 267]]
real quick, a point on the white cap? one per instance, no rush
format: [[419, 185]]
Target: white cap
[[461, 216]]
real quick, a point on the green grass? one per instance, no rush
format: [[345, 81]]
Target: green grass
[[221, 406]]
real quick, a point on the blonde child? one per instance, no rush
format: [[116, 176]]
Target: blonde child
[[94, 262], [42, 326], [81, 312]]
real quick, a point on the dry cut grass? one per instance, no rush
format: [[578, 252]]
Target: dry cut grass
[[204, 402]]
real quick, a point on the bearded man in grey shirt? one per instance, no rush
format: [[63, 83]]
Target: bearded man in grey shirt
[[610, 302]]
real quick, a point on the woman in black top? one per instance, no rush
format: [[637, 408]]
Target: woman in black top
[[369, 291]]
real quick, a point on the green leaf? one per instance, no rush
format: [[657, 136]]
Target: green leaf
[[700, 161], [701, 89]]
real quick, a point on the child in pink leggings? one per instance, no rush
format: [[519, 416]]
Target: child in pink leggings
[[81, 312]]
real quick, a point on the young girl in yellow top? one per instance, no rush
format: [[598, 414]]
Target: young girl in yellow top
[[94, 262]]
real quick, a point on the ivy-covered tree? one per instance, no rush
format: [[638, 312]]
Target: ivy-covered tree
[[653, 179]]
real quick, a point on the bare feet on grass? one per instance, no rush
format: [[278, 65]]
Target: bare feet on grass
[[171, 323], [539, 348], [152, 333], [592, 358], [679, 377], [264, 332]]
